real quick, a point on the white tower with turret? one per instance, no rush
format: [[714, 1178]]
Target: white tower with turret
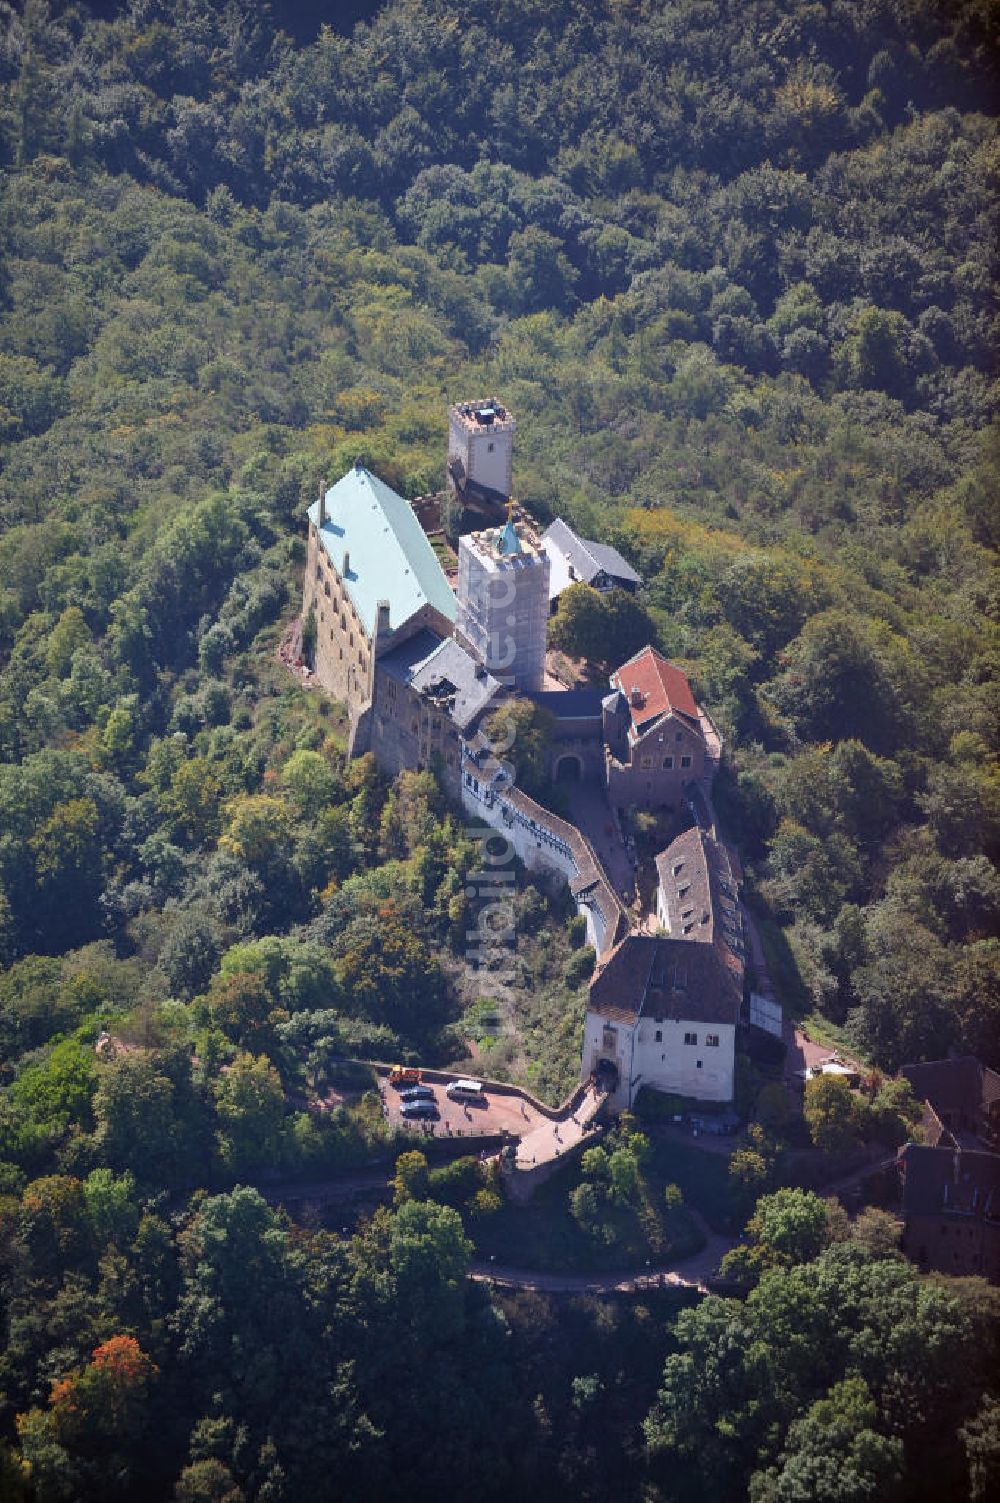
[[503, 603]]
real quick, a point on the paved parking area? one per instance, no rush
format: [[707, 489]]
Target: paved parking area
[[455, 1119]]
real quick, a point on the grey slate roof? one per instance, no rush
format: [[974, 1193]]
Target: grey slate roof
[[443, 672], [589, 558], [569, 704]]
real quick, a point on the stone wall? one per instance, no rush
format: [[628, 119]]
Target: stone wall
[[407, 732], [343, 656], [655, 774], [545, 842], [656, 1052]]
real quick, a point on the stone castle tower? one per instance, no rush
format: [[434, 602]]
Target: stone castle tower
[[503, 603], [481, 450]]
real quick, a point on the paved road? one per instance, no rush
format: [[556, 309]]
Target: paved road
[[684, 1273], [550, 1139]]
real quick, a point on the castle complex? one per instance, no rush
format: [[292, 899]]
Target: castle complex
[[420, 661]]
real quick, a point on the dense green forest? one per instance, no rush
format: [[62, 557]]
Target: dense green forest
[[730, 262]]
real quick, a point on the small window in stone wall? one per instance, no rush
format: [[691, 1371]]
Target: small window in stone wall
[[685, 761], [645, 761], [690, 1038], [668, 762], [659, 1035], [609, 1038], [711, 1041]]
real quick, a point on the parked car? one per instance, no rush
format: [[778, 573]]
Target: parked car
[[404, 1075], [417, 1093], [466, 1090], [419, 1109]]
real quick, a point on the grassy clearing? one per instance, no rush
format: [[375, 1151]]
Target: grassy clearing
[[544, 1235], [703, 1178], [446, 555], [822, 1031], [788, 984]]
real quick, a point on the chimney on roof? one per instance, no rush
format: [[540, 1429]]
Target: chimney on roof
[[322, 504], [382, 625], [347, 563], [637, 698]]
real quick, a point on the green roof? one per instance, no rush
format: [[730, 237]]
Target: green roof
[[509, 542], [389, 556]]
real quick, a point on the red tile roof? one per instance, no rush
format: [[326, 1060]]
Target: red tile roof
[[649, 976], [701, 893], [953, 1084], [653, 687]]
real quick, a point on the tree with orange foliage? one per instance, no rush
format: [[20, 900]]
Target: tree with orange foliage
[[108, 1398]]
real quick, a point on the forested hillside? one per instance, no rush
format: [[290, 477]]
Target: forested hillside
[[731, 266]]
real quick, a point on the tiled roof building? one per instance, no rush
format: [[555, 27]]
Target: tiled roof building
[[664, 1012], [372, 581], [653, 733], [951, 1209], [964, 1093], [419, 665], [698, 895]]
